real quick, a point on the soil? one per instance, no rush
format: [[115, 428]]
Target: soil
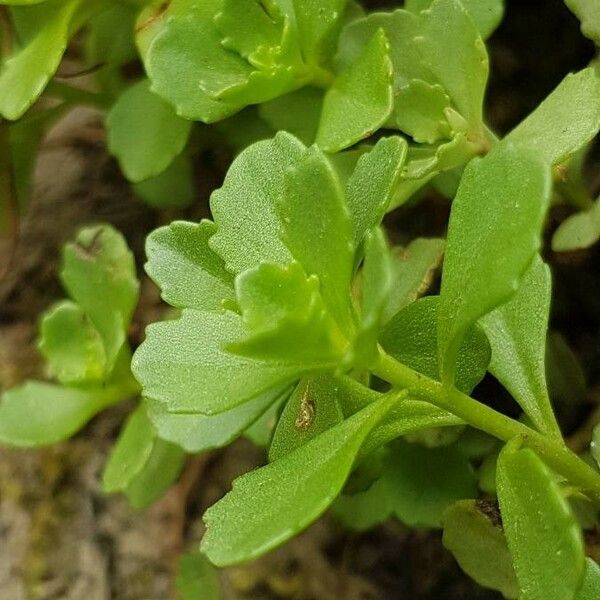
[[62, 539]]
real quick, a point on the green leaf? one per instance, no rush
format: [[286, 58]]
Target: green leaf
[[261, 431], [25, 74], [517, 334], [413, 270], [297, 113], [188, 272], [197, 433], [252, 29], [454, 52], [318, 23], [376, 284], [545, 542], [581, 230], [144, 133], [285, 317], [565, 121], [197, 578], [244, 207], [419, 111], [99, 274], [486, 14], [401, 27], [313, 408], [316, 227], [173, 188], [271, 504], [140, 464], [588, 13], [130, 453], [416, 486], [183, 364], [71, 345], [494, 233], [40, 414], [360, 100], [478, 544], [591, 581], [371, 187], [158, 475], [181, 48], [411, 338]]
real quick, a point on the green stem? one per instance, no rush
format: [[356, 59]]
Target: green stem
[[73, 95], [478, 415]]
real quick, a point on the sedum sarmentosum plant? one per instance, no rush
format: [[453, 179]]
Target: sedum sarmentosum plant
[[291, 307], [289, 299]]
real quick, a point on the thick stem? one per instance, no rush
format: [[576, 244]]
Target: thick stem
[[478, 415]]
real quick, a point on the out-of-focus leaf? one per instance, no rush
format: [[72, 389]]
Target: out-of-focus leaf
[[71, 345], [564, 373], [478, 544], [588, 12], [144, 133], [99, 274], [173, 188], [40, 414]]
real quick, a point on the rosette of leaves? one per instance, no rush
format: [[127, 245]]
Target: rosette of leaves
[[84, 342], [289, 301]]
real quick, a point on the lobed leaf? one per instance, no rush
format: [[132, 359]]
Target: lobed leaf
[[579, 231], [545, 542], [360, 100], [454, 52], [144, 133], [285, 317], [565, 121], [183, 364], [188, 273], [479, 546], [271, 504], [493, 234], [405, 488], [517, 334], [588, 13]]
